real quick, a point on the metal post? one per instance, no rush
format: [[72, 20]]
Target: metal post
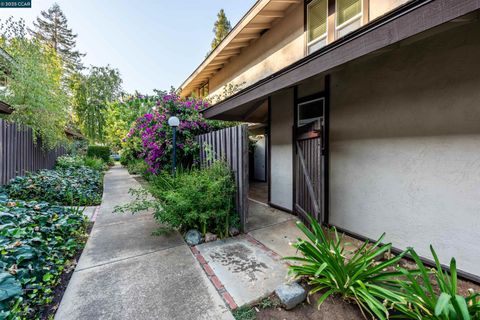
[[174, 162]]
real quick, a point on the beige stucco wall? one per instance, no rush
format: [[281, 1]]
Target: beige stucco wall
[[405, 148], [279, 47], [281, 149], [378, 8]]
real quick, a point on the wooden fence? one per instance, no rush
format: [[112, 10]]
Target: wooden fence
[[231, 145], [19, 153]]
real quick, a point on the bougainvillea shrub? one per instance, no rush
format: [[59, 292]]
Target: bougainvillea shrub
[[80, 186], [150, 138], [37, 242]]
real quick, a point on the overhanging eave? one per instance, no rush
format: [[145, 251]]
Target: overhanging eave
[[414, 18]]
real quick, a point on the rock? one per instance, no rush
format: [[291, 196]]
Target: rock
[[193, 237], [290, 294], [210, 237], [233, 231]]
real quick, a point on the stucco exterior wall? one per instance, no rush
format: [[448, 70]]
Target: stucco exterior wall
[[378, 8], [281, 149], [279, 47], [405, 146]]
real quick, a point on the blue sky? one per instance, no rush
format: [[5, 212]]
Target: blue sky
[[154, 44]]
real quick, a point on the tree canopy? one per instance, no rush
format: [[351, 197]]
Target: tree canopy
[[34, 83], [52, 28], [92, 93], [221, 29]]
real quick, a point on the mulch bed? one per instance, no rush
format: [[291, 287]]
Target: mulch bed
[[50, 309], [332, 308]]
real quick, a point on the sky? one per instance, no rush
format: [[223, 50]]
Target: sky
[[155, 44]]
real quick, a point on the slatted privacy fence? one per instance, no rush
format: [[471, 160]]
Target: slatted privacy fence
[[231, 145], [19, 154]]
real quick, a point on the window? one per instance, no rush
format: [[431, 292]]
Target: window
[[310, 111], [349, 16], [317, 14], [203, 91]]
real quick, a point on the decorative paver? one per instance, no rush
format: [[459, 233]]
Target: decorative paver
[[241, 268]]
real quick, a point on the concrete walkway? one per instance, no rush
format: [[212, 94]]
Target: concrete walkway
[[126, 273]]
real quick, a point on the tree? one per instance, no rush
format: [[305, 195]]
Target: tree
[[120, 115], [52, 28], [35, 88], [221, 29], [91, 95]]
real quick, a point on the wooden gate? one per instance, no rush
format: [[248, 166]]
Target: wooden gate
[[231, 145], [309, 165]]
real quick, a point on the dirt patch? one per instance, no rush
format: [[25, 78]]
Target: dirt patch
[[50, 309], [334, 308]]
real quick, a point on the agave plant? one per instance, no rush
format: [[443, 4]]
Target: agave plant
[[356, 276], [436, 302]]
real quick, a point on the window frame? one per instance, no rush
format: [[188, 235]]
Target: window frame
[[320, 38], [358, 16], [298, 124]]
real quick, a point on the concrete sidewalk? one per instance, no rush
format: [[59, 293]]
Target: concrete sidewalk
[[126, 273]]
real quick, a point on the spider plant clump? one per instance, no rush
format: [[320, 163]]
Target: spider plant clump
[[433, 294], [355, 275]]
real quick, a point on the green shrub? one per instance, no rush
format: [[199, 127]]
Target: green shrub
[[356, 276], [71, 186], [102, 152], [137, 167], [244, 313], [424, 301], [37, 240], [69, 162], [196, 198], [95, 163]]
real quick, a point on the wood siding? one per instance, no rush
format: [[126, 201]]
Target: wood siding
[[230, 145], [19, 154]]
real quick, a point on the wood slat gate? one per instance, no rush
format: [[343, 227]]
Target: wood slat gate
[[309, 164], [231, 145], [19, 153]]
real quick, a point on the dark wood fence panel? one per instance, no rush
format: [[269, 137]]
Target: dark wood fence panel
[[19, 154], [230, 145]]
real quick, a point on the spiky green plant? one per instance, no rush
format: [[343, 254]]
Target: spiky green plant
[[436, 299], [356, 276]]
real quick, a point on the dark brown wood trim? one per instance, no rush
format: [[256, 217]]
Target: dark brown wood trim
[[308, 135], [269, 149], [294, 147], [326, 152], [5, 108], [428, 262], [408, 20], [274, 206]]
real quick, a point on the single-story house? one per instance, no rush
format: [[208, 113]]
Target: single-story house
[[372, 115]]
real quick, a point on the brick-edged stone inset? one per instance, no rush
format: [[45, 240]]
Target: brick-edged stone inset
[[218, 284], [269, 251], [227, 298]]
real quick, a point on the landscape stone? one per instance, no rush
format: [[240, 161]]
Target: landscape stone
[[210, 237], [291, 294], [233, 231], [193, 237]]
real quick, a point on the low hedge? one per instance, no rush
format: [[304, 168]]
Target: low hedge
[[37, 242], [79, 186], [101, 152]]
